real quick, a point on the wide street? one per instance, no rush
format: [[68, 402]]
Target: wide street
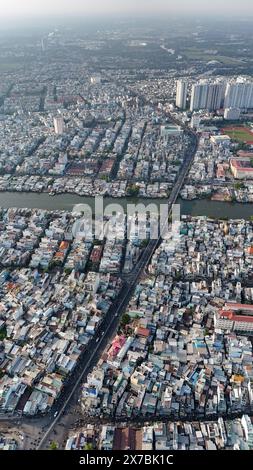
[[39, 432], [111, 321]]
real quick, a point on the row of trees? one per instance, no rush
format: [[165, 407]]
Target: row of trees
[[55, 446]]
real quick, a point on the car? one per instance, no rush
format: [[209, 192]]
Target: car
[[56, 413], [102, 334], [97, 340]]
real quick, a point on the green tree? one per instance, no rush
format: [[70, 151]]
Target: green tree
[[177, 276], [3, 333], [133, 190], [88, 446], [125, 320], [53, 446], [239, 185], [67, 270]]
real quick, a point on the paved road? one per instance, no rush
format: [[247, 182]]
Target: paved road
[[110, 324], [111, 321], [92, 357], [153, 244]]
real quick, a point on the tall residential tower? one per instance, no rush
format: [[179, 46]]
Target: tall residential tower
[[59, 125], [181, 94], [239, 94], [207, 95]]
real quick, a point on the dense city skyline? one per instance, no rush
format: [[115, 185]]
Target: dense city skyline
[[126, 229]]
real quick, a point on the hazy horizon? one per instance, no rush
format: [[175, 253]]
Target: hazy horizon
[[25, 9]]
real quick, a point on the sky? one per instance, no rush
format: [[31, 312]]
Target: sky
[[32, 8]]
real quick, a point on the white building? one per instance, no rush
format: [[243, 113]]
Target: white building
[[95, 80], [241, 168], [232, 114], [223, 140], [248, 430], [215, 98], [199, 96], [235, 317], [59, 125], [171, 131], [147, 438], [239, 94], [181, 96], [207, 95], [195, 121]]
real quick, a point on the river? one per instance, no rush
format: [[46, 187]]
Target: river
[[67, 201]]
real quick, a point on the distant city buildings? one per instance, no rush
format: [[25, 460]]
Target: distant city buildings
[[217, 160], [95, 79], [183, 349], [233, 95], [44, 44]]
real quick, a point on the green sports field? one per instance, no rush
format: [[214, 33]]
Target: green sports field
[[241, 134]]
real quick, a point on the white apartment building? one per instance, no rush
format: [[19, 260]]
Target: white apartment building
[[235, 317], [239, 94], [199, 96], [181, 96], [232, 114], [206, 95], [59, 125]]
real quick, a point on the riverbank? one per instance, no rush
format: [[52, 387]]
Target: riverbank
[[198, 207]]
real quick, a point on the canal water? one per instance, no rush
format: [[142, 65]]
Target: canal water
[[68, 201]]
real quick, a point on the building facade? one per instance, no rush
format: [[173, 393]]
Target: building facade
[[181, 97]]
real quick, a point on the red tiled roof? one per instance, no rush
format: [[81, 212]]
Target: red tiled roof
[[143, 332], [238, 164], [236, 318], [234, 306]]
